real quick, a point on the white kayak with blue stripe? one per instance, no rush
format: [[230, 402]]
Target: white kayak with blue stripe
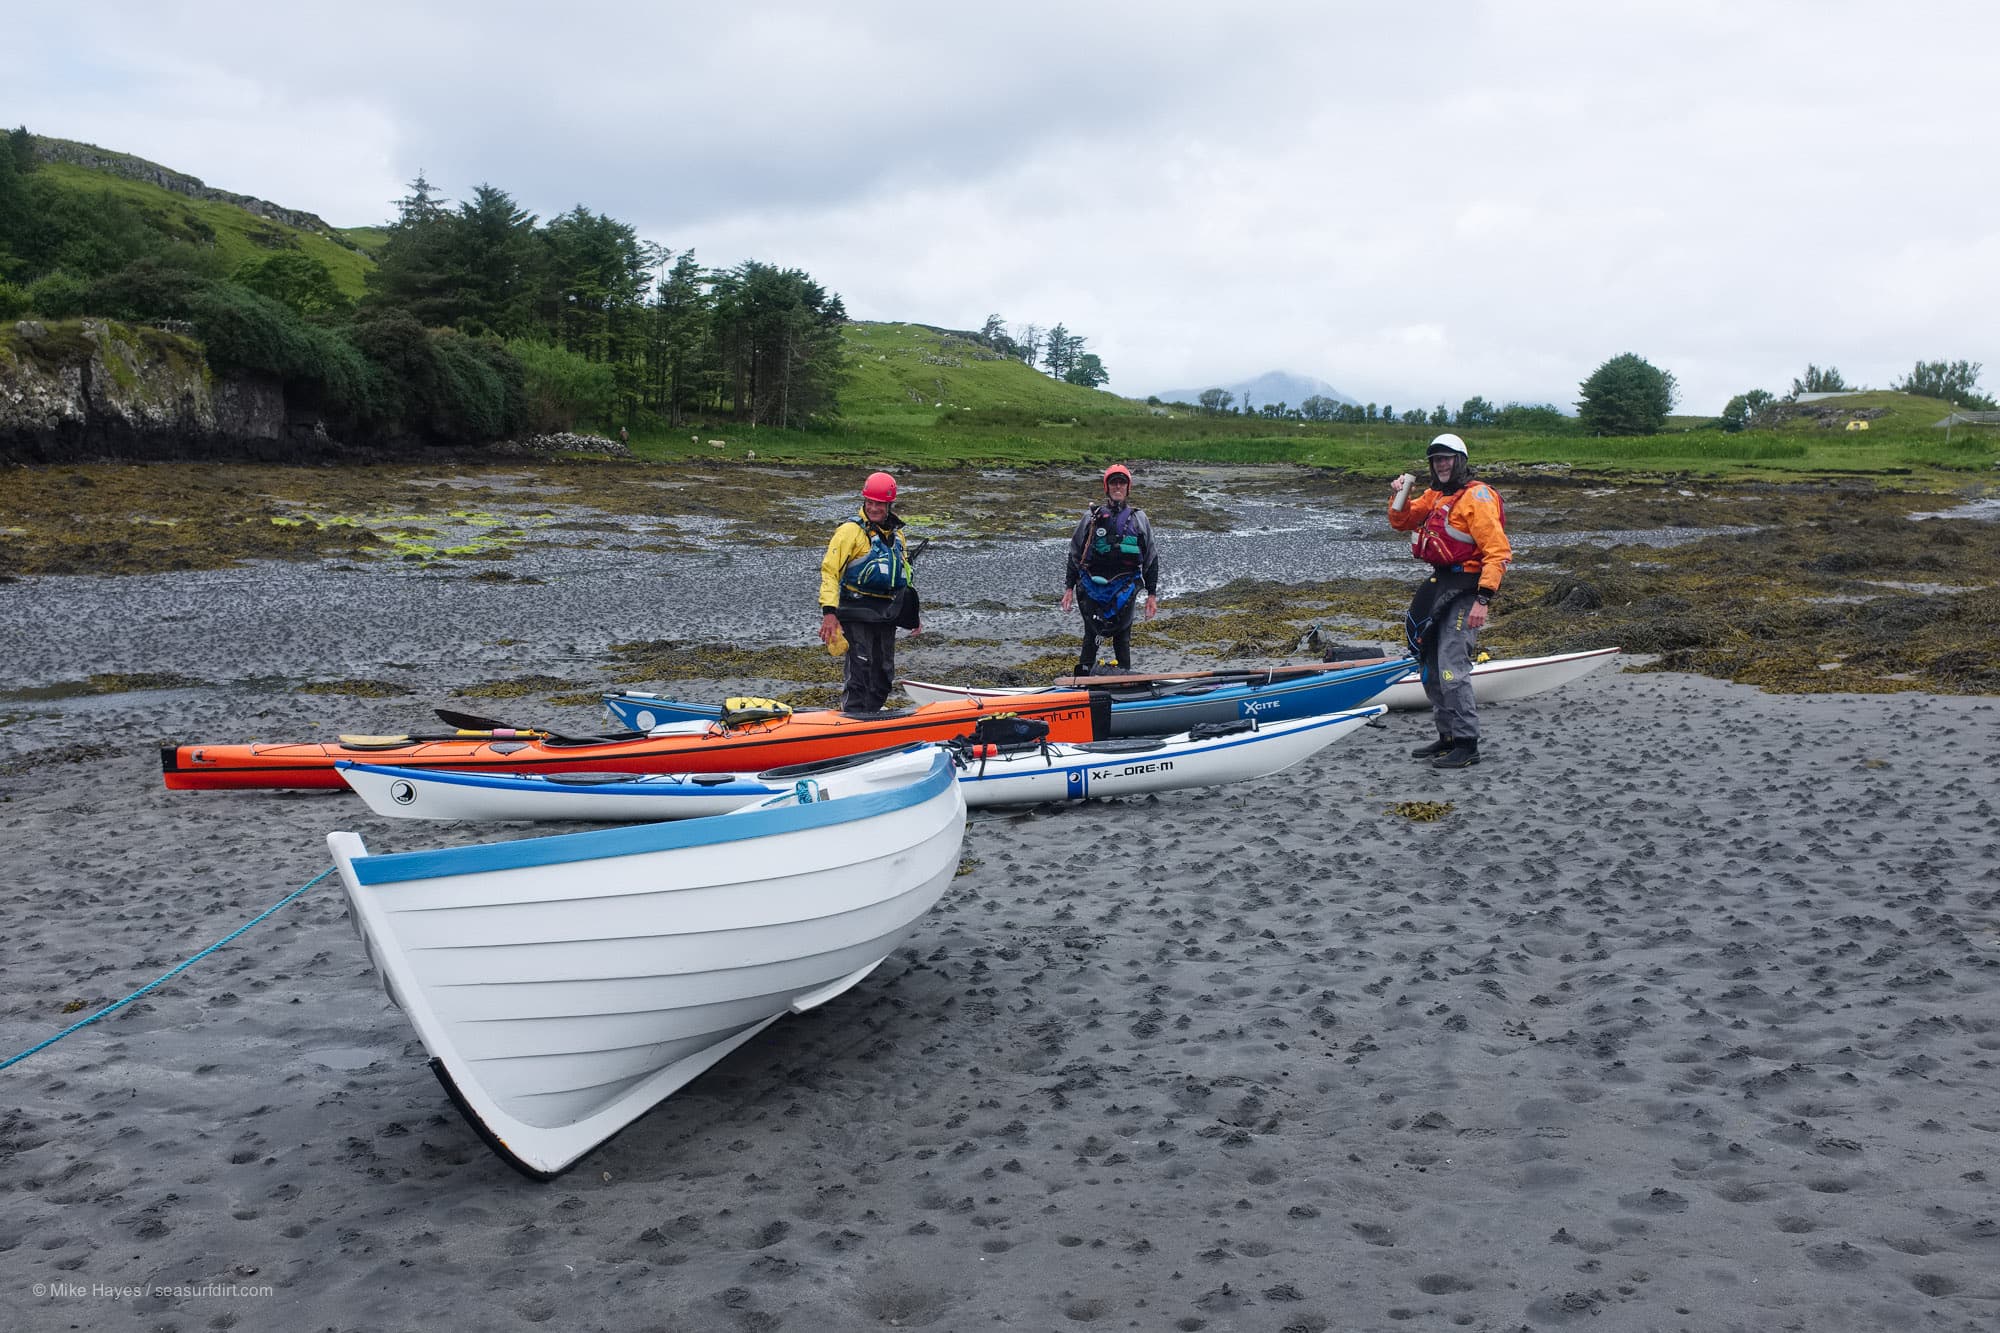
[[1494, 681], [1004, 775], [565, 985], [1498, 680]]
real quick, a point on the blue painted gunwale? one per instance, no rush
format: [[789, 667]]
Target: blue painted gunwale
[[638, 839]]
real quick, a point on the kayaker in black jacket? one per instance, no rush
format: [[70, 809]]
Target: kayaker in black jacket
[[1111, 557]]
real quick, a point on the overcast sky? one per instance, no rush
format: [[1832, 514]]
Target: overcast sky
[[1415, 203]]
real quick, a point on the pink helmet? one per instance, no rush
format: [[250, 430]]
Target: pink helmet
[[879, 486], [1117, 470]]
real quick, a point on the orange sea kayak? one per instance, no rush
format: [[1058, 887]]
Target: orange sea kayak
[[712, 747]]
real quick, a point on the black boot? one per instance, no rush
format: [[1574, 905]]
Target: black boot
[[1462, 754], [1433, 750]]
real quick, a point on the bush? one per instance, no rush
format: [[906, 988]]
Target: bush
[[146, 291], [559, 387], [58, 296], [471, 402], [445, 385], [1542, 418], [13, 300], [245, 331]]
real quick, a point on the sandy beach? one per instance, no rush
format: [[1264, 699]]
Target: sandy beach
[[1683, 1017]]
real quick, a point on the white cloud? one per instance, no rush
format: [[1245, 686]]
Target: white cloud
[[1414, 204]]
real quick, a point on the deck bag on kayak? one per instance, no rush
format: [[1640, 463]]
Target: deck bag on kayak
[[741, 710], [1208, 731], [999, 735], [1009, 731], [1419, 622], [1347, 652]]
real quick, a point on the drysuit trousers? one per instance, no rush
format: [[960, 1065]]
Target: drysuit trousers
[[870, 664], [1448, 648], [1117, 628]]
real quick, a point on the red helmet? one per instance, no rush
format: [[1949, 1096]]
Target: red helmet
[[879, 486], [1117, 470]]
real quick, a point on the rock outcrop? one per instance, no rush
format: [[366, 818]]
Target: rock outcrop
[[88, 390], [73, 390]]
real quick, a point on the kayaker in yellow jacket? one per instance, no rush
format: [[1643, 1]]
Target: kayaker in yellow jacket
[[865, 593], [1460, 527]]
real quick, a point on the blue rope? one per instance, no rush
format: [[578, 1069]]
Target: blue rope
[[179, 967]]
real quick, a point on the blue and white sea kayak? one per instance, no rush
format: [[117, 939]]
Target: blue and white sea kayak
[[1159, 708], [1131, 766]]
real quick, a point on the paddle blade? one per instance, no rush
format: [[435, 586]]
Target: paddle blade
[[469, 721]]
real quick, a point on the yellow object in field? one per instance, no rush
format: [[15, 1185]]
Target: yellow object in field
[[1857, 425], [837, 645]]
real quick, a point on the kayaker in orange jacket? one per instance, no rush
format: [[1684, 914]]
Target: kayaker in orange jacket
[[1459, 524]]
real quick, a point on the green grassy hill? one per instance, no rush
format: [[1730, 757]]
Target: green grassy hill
[[235, 232], [1899, 411], [917, 370], [369, 240], [918, 395]]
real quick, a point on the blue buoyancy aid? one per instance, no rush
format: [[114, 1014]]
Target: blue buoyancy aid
[[879, 573]]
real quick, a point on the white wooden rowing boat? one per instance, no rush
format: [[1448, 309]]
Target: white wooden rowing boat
[[1049, 772], [565, 985]]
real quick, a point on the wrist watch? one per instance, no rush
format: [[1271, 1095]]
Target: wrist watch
[[1483, 597]]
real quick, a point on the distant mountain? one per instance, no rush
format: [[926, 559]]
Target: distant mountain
[[1273, 386]]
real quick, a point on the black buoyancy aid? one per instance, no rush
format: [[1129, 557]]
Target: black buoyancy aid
[[1113, 547]]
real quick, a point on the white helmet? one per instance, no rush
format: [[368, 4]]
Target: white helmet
[[1448, 444]]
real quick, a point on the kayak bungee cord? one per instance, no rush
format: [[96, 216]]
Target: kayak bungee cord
[[178, 967]]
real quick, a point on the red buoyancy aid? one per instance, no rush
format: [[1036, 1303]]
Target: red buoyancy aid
[[1440, 541]]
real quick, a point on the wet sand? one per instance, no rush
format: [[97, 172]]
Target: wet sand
[[1684, 1017]]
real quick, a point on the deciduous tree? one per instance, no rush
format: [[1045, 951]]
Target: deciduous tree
[[1743, 409], [1627, 395], [1088, 371], [295, 279]]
